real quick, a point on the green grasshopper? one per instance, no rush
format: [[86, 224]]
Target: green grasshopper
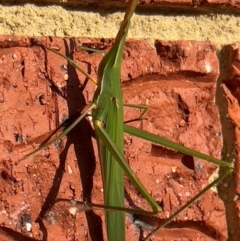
[[107, 108]]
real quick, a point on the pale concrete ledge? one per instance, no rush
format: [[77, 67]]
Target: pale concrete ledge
[[32, 20]]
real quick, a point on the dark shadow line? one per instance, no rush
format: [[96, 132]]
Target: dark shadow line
[[81, 139]]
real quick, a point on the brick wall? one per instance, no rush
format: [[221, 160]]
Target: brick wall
[[181, 60]]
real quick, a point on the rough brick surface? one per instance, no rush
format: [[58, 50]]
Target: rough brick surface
[[39, 90], [231, 89]]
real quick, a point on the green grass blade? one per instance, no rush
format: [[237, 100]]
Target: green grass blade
[[174, 146], [216, 181], [65, 132], [73, 64], [124, 165]]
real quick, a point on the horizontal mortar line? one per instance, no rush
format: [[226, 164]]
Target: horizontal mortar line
[[31, 20]]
